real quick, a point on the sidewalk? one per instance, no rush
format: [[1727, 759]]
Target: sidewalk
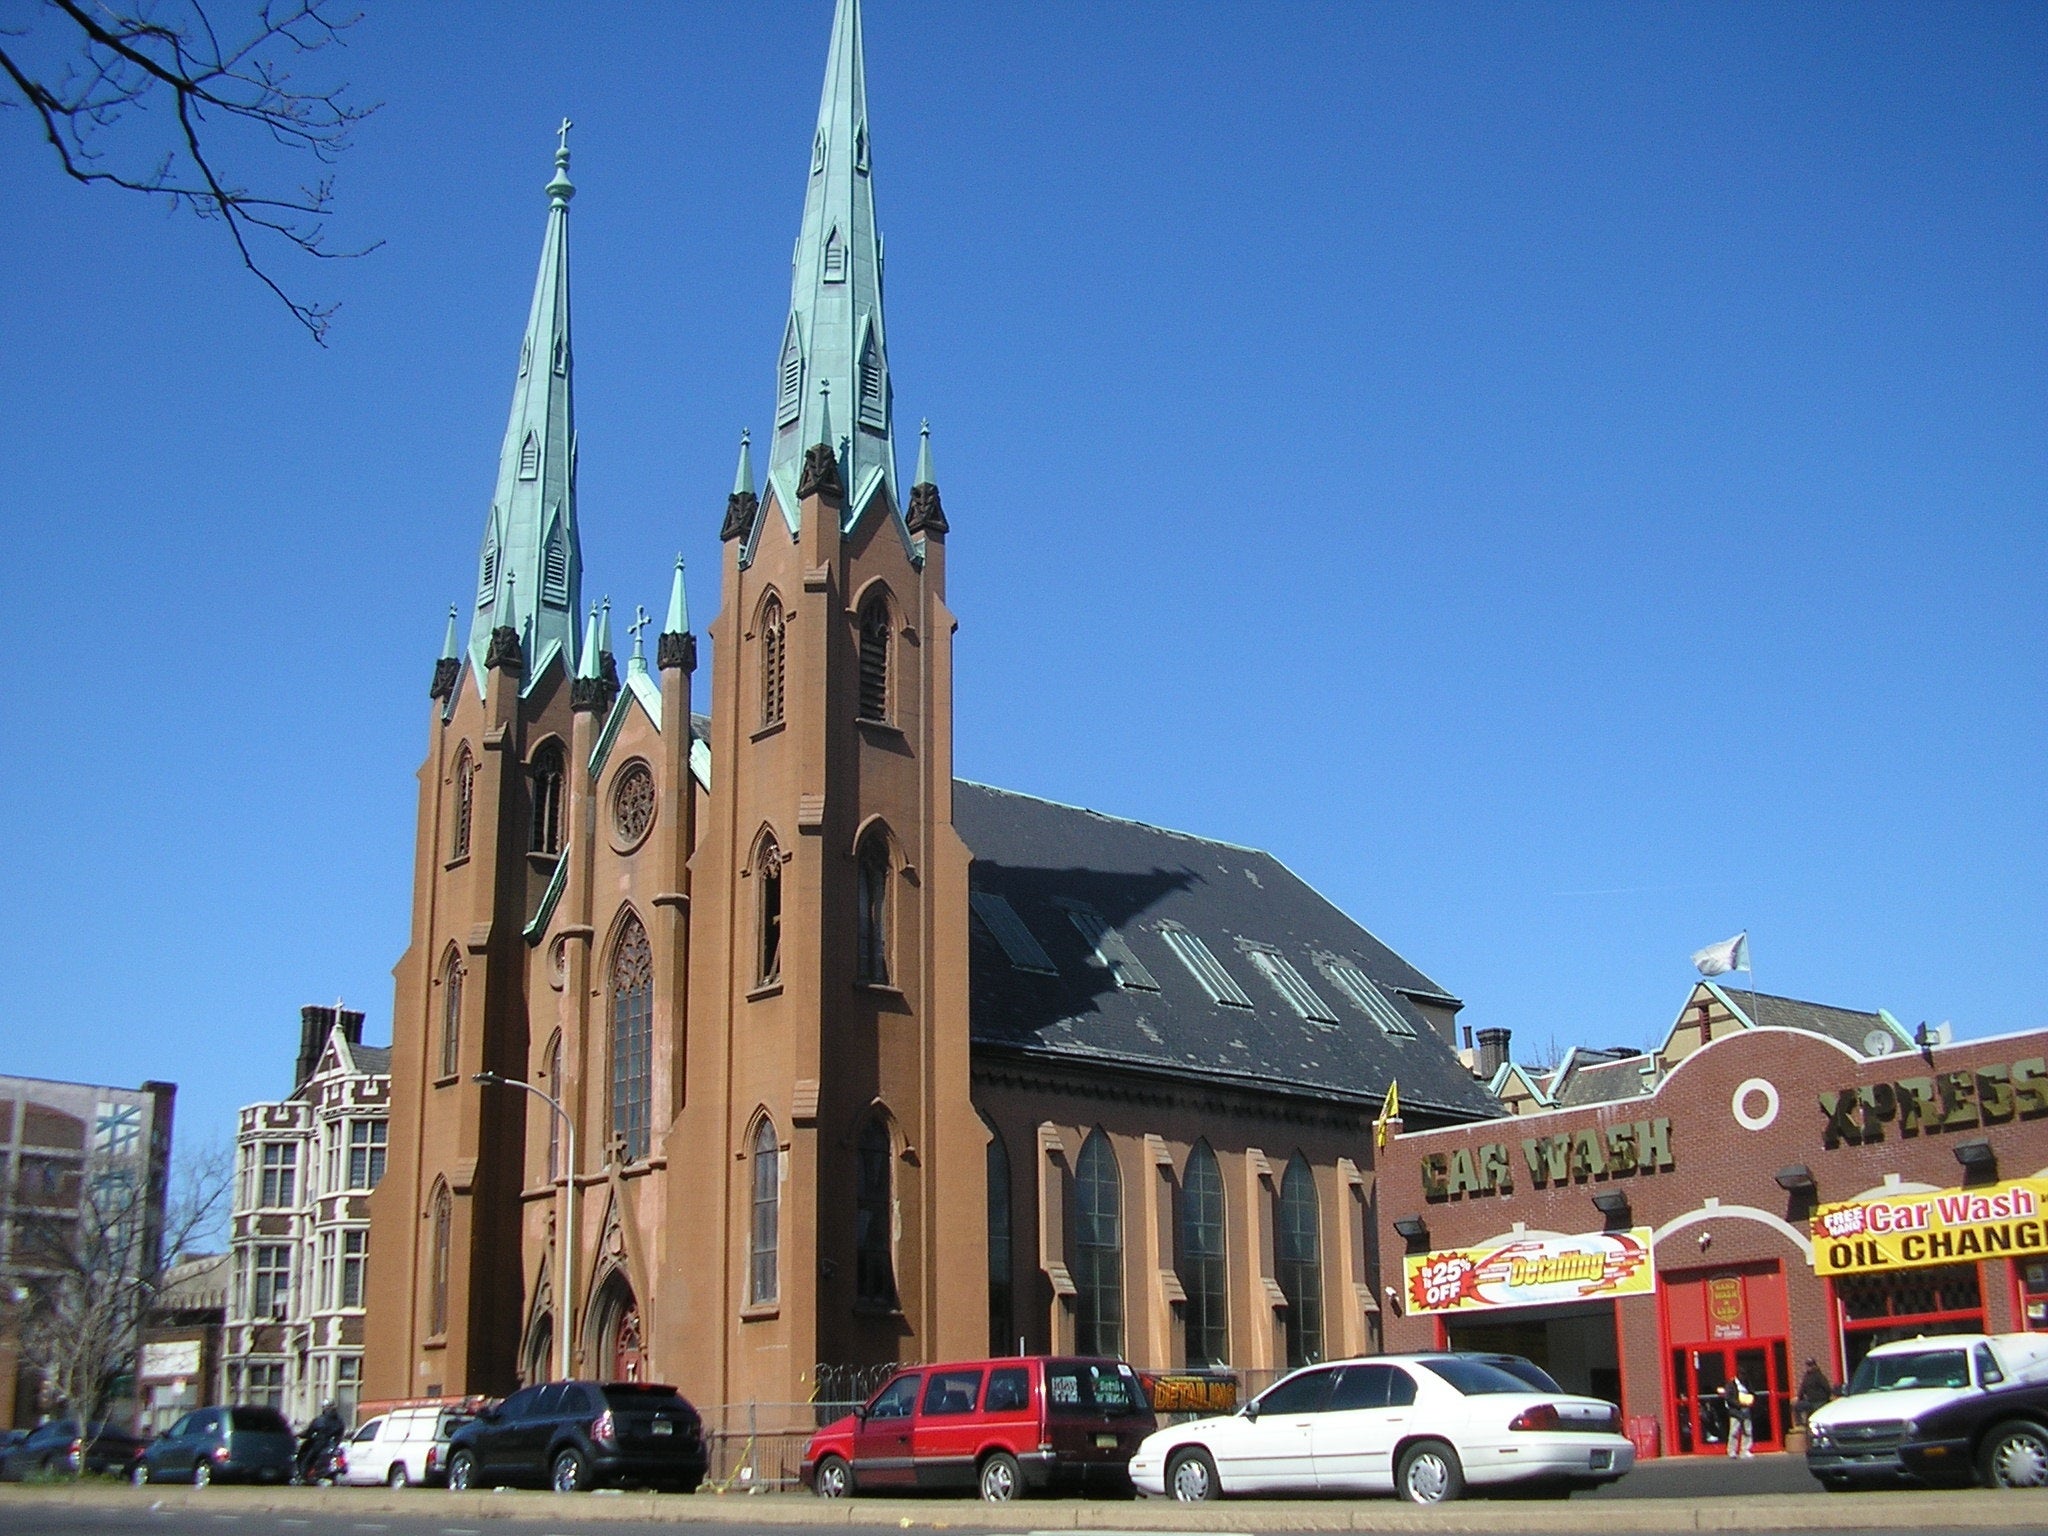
[[1973, 1509]]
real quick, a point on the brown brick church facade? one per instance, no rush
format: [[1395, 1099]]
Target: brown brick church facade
[[863, 1063]]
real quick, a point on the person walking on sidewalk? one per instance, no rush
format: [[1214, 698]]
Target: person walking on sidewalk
[[1739, 1401]]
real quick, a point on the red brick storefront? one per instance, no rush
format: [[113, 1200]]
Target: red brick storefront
[[1718, 1174]]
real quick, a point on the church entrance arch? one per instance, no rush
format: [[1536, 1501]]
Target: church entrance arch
[[620, 1352], [540, 1350]]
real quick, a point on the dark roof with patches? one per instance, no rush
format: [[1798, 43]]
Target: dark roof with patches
[[1851, 1026], [1141, 879], [374, 1059], [1602, 1080]]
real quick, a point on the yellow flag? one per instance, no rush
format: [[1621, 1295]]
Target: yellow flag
[[1391, 1110]]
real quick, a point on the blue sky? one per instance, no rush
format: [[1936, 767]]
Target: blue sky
[[1569, 480]]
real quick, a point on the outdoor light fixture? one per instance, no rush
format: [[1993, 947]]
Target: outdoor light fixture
[[1414, 1230], [1976, 1157], [1612, 1204], [1796, 1180]]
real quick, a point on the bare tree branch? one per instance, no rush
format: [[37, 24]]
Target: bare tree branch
[[86, 68]]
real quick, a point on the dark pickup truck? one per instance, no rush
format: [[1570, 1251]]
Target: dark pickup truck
[[1998, 1438]]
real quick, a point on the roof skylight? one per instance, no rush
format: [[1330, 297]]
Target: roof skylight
[[1205, 968], [1008, 930]]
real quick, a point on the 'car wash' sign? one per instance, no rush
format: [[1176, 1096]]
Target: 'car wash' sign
[[1531, 1272], [1569, 1157], [1949, 1226]]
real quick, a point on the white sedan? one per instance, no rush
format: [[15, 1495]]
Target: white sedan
[[1424, 1426]]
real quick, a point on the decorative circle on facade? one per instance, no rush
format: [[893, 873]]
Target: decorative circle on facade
[[632, 805], [558, 962], [1751, 1088]]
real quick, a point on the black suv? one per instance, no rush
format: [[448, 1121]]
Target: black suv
[[569, 1435]]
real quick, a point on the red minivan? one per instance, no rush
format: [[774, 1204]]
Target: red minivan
[[1002, 1427]]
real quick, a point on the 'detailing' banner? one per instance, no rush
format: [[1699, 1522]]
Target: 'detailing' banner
[[1532, 1272]]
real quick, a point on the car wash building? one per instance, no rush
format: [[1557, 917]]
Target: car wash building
[[1778, 1181]]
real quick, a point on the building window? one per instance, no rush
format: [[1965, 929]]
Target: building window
[[1007, 928], [1374, 1003], [451, 1015], [1002, 1320], [326, 1284], [835, 257], [280, 1175], [355, 1252], [348, 1386], [874, 388], [1300, 1263], [554, 574], [1202, 1272], [465, 802], [874, 1216], [762, 1249], [1207, 970], [1098, 1250], [768, 912], [1111, 952], [789, 388], [1292, 986], [438, 1258], [367, 1140], [772, 661], [547, 799], [271, 1281], [554, 1071], [529, 458], [872, 925], [264, 1385], [632, 1042], [874, 658]]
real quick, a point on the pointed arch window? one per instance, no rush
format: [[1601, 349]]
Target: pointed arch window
[[1202, 1273], [789, 388], [1002, 1312], [438, 1259], [561, 355], [487, 583], [451, 1015], [1098, 1250], [874, 382], [547, 799], [772, 660], [554, 1072], [632, 1041], [768, 912], [874, 1216], [874, 658], [554, 576], [818, 152], [871, 961], [765, 1238], [1300, 1262], [835, 257], [860, 149], [529, 458], [465, 802]]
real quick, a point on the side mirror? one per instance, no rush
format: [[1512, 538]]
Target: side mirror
[[860, 1412], [1251, 1410]]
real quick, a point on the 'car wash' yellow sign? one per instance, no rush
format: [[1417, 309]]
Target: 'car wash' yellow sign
[[1949, 1226]]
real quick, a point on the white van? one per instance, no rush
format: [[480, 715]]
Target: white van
[[406, 1445], [1856, 1437]]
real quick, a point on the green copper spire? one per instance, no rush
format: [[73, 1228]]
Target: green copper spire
[[924, 456], [530, 574], [743, 477], [678, 620], [587, 668], [449, 652], [834, 335]]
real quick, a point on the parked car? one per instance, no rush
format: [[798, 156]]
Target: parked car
[[1517, 1366], [406, 1445], [218, 1445], [60, 1446], [570, 1435], [1001, 1427], [1424, 1426], [1938, 1409]]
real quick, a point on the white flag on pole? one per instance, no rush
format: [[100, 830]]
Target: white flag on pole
[[1720, 959]]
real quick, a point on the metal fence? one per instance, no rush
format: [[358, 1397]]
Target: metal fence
[[759, 1447]]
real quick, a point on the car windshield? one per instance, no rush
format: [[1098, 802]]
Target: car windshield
[[1084, 1386], [1475, 1378], [1527, 1371], [1919, 1368], [261, 1421]]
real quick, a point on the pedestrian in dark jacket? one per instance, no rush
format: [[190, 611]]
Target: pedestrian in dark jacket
[[1813, 1390]]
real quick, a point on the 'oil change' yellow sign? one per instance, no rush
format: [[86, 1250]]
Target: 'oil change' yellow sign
[[1950, 1226]]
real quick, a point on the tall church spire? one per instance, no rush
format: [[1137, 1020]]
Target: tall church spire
[[834, 335], [530, 573]]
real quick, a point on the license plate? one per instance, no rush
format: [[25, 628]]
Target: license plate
[[663, 1427], [1602, 1460], [1105, 1442]]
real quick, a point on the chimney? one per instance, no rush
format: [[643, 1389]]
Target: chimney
[[1493, 1052], [315, 1025]]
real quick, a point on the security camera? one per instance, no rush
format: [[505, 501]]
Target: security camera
[[1706, 1241]]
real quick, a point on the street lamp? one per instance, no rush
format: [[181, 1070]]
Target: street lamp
[[565, 1343]]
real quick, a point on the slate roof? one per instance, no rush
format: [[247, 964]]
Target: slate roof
[[1851, 1026], [373, 1059], [1602, 1081], [1037, 854]]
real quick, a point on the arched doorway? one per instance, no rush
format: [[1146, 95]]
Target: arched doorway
[[621, 1350], [540, 1349]]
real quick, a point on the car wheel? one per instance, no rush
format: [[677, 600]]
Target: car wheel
[[833, 1478], [1001, 1479], [202, 1472], [461, 1472], [1430, 1474], [397, 1477], [139, 1474], [1191, 1477], [570, 1475], [2015, 1456]]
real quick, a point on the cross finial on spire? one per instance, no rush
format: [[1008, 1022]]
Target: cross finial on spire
[[561, 189], [563, 131], [640, 622]]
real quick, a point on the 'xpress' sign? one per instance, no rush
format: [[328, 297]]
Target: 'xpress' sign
[[1532, 1272], [1951, 1226]]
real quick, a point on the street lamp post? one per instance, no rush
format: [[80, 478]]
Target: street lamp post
[[565, 1341]]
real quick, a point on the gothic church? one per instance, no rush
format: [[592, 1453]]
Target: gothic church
[[855, 1061]]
